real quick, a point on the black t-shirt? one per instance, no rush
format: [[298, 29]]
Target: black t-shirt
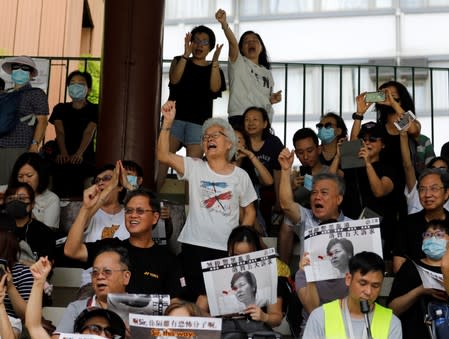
[[192, 93], [359, 194], [409, 235], [40, 237], [75, 122], [154, 270], [407, 279]]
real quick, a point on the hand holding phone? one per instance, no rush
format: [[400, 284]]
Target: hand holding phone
[[3, 267], [406, 118]]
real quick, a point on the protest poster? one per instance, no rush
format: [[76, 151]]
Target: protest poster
[[233, 283], [331, 246], [147, 326], [125, 303], [429, 278], [79, 336]]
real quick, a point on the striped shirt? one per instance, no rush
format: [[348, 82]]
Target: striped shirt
[[23, 281]]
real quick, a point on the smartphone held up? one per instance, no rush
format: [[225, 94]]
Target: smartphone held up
[[375, 96]]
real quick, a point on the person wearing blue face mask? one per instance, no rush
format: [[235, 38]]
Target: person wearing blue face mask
[[331, 129], [408, 293], [32, 111], [75, 125]]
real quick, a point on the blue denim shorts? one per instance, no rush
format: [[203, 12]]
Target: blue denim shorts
[[186, 132]]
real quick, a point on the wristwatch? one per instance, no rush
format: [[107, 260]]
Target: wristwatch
[[356, 116], [34, 142]]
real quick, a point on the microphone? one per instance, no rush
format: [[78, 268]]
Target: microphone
[[364, 308]]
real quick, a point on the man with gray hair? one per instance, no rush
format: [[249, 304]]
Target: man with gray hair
[[325, 199]]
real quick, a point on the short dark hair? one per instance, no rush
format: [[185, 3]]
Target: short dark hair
[[263, 56], [133, 166], [244, 234], [2, 84], [249, 277], [333, 177], [85, 75], [304, 133], [208, 31], [345, 243], [365, 262], [439, 224], [340, 124], [435, 159], [12, 190], [144, 192], [120, 250], [406, 101], [41, 166]]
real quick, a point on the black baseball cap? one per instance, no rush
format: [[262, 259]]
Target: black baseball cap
[[372, 129]]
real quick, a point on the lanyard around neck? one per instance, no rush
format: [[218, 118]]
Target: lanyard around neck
[[347, 319]]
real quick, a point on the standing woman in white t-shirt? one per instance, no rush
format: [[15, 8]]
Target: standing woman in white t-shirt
[[250, 79]]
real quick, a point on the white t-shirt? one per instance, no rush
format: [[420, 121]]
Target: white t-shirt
[[47, 208], [102, 226], [214, 201], [249, 85]]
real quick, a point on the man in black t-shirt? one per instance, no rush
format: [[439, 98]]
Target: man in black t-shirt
[[154, 268]]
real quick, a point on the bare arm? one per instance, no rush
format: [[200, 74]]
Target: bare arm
[[33, 320], [401, 304], [18, 303], [409, 170], [163, 144], [177, 67], [445, 270], [234, 51], [60, 140], [272, 317], [39, 132], [362, 107], [308, 295], [249, 215], [88, 134], [215, 77], [286, 200], [6, 330]]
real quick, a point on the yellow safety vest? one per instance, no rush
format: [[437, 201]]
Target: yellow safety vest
[[334, 327]]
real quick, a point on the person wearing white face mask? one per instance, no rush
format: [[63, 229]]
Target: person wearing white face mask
[[31, 110], [408, 295], [75, 124]]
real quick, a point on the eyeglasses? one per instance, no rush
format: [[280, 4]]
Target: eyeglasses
[[139, 211], [22, 67], [107, 272], [201, 42], [432, 189], [371, 138], [19, 197], [326, 125], [104, 178], [98, 330], [437, 234], [213, 136]]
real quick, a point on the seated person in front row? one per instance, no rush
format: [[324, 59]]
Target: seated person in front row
[[97, 321], [343, 318], [110, 274], [156, 269], [408, 297]]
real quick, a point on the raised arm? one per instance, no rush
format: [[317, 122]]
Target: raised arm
[[362, 107], [286, 201], [93, 199], [215, 77], [308, 295], [409, 170], [163, 144], [33, 318], [178, 65], [234, 51]]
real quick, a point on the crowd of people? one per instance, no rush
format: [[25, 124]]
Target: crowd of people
[[240, 178]]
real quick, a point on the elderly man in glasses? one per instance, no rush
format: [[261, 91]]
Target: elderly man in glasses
[[155, 269], [433, 190], [31, 109], [110, 274]]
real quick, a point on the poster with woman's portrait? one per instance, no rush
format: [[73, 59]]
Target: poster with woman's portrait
[[330, 246], [234, 283]]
